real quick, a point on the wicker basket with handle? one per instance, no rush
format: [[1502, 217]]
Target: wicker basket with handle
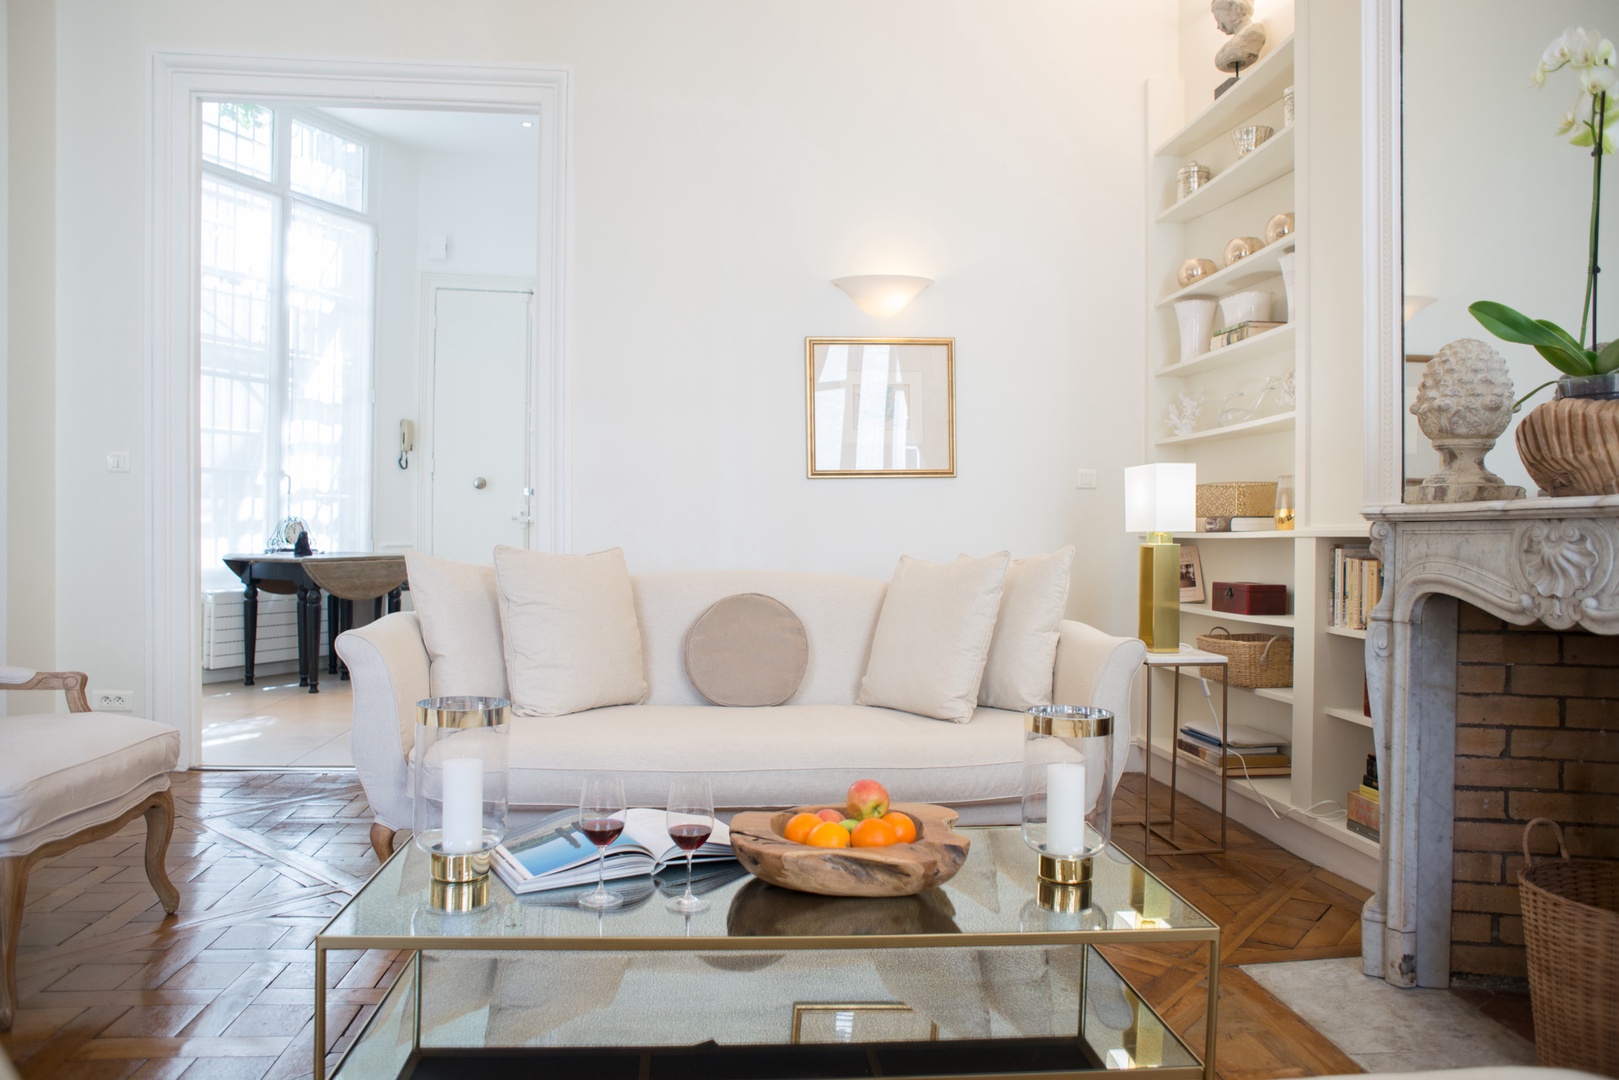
[[1256, 660], [1571, 929]]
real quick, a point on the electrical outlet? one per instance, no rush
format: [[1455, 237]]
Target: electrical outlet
[[1085, 479], [113, 700]]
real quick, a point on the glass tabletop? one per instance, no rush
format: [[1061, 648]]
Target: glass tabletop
[[993, 900]]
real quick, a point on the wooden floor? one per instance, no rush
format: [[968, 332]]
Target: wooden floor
[[224, 990]]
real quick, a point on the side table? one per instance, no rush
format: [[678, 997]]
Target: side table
[[1182, 657]]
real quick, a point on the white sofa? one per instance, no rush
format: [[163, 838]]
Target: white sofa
[[808, 749]]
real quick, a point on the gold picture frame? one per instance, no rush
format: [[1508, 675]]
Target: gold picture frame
[[880, 407], [860, 1022]]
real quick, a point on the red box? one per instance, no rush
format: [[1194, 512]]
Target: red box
[[1249, 598]]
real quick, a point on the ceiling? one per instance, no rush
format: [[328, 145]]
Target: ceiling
[[440, 132]]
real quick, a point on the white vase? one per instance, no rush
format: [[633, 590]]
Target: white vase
[[1286, 263], [1195, 315]]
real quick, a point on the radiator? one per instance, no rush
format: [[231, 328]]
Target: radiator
[[224, 630]]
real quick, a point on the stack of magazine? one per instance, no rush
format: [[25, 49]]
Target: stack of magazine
[[556, 854], [1247, 751]]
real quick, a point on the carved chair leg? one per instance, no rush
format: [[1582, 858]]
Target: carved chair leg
[[382, 840], [13, 891], [159, 830]]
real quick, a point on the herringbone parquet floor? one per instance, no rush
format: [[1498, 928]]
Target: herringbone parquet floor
[[224, 990]]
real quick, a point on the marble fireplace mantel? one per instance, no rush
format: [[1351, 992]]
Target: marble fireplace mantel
[[1524, 560]]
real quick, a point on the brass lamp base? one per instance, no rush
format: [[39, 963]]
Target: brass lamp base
[[459, 869], [1160, 620], [1065, 869]]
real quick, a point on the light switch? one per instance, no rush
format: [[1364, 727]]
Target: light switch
[[1086, 478], [118, 461]]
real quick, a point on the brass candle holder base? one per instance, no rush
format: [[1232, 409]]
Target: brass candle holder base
[[459, 869], [459, 896], [1065, 869], [1063, 899]]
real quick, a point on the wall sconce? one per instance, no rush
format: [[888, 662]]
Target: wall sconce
[[1414, 304], [882, 294]]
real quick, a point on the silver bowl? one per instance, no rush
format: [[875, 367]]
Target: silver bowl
[[1249, 138]]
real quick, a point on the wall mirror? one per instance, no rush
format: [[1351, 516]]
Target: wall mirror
[[1497, 205], [880, 406]]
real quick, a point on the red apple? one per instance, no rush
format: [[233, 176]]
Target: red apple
[[829, 814], [867, 799]]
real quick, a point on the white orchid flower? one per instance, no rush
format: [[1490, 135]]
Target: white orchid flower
[[1583, 47], [1599, 80], [1556, 54]]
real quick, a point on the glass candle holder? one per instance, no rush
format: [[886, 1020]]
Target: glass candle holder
[[1067, 788], [458, 776], [1286, 503]]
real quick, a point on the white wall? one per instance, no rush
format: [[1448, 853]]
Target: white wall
[[396, 492], [1497, 207], [486, 204], [730, 158]]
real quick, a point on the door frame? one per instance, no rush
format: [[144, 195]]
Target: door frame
[[176, 82], [427, 402]]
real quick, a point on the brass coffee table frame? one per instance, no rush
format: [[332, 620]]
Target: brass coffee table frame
[[327, 941]]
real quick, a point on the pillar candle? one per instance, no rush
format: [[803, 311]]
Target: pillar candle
[[1065, 808], [463, 806]]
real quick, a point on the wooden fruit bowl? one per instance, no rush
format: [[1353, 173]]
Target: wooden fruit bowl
[[898, 870]]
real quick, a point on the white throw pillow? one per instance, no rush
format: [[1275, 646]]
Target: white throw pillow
[[459, 611], [932, 637], [573, 641], [1023, 652]]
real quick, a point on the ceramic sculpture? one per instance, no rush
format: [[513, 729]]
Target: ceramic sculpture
[[1463, 406]]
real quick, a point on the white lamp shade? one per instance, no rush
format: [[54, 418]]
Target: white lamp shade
[[882, 294], [1161, 497]]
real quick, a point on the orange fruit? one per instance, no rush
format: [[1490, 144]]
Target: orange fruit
[[799, 826], [874, 832], [827, 834], [903, 825]]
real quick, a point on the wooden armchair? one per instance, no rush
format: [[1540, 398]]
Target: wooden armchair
[[71, 779]]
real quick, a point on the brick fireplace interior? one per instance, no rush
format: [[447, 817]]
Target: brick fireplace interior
[[1537, 735]]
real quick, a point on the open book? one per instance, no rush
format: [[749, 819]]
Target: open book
[[555, 853]]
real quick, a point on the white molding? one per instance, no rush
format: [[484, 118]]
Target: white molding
[[176, 80], [1384, 385]]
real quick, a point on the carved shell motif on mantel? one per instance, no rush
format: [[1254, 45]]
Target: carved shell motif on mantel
[[1566, 565]]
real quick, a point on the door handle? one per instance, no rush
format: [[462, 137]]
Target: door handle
[[479, 483]]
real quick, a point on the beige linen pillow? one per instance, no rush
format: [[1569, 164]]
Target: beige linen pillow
[[1023, 652], [573, 641], [932, 637], [459, 611], [747, 650]]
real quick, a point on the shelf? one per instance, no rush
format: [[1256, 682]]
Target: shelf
[[1352, 715], [1358, 531], [1270, 342], [1263, 534], [1345, 631], [1263, 426], [1245, 271], [1283, 694], [1268, 161], [1339, 831], [1263, 620], [1278, 789], [1259, 86]]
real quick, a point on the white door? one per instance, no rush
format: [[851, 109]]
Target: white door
[[479, 489]]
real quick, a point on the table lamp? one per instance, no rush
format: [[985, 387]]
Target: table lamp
[[1160, 499]]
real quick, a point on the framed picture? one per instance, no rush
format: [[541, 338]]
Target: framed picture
[[880, 406], [861, 1022], [1192, 590]]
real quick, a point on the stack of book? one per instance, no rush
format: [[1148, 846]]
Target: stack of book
[[1356, 586], [1365, 811], [1246, 751]]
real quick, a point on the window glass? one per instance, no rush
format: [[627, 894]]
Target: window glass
[[328, 167], [239, 137]]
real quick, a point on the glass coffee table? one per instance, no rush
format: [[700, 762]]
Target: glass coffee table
[[987, 975]]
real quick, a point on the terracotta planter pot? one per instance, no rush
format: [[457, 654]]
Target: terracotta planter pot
[[1570, 446]]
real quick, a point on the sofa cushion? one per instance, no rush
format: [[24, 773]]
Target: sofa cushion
[[62, 772], [1023, 650], [748, 649], [572, 641], [933, 635], [813, 753], [459, 609]]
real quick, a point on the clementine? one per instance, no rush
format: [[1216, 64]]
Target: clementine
[[827, 834], [903, 825], [799, 826], [874, 832]]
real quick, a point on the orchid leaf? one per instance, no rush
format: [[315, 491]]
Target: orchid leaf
[[1550, 340], [1608, 359]]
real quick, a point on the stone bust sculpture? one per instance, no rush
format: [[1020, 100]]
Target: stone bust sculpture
[[1236, 17]]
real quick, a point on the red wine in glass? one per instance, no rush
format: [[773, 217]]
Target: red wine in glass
[[601, 819], [689, 837], [690, 821]]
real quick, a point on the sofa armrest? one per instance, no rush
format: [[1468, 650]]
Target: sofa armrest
[[1099, 670], [388, 669]]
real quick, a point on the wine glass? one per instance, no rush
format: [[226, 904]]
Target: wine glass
[[690, 819], [601, 818]]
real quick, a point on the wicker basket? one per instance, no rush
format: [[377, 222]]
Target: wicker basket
[[1240, 498], [1571, 928], [1257, 660]]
